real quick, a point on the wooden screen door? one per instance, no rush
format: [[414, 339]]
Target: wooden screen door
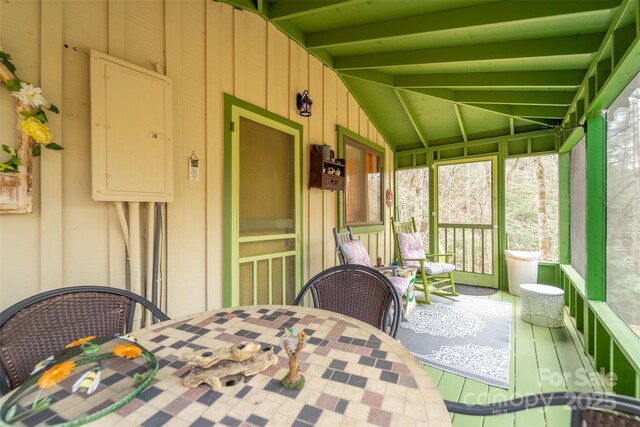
[[467, 217], [265, 217]]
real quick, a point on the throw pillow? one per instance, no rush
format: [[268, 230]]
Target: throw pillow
[[410, 245], [354, 252]]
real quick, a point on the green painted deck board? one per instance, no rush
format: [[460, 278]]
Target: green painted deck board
[[472, 392], [557, 353]]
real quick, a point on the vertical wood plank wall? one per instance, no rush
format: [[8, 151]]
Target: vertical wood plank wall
[[207, 48]]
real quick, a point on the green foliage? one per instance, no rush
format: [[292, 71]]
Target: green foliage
[[12, 164], [5, 58], [12, 85]]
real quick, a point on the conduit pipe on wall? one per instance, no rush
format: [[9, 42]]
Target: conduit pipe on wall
[[153, 256], [134, 254], [123, 224], [150, 235], [156, 253]]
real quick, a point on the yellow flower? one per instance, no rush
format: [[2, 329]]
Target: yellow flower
[[130, 351], [80, 341], [55, 374], [37, 130]]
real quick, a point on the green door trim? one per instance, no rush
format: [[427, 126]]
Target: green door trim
[[359, 229], [234, 108], [491, 280]]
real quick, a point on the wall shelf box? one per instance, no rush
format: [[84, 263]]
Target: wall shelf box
[[320, 175]]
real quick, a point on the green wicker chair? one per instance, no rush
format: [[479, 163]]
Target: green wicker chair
[[434, 271]]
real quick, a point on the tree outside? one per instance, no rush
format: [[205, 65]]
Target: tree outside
[[531, 205], [623, 206]]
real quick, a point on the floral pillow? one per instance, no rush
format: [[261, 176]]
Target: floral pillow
[[354, 252], [410, 245]]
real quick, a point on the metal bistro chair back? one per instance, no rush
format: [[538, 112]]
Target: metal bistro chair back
[[37, 327], [356, 291]]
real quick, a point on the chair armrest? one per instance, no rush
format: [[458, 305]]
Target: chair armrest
[[441, 255]]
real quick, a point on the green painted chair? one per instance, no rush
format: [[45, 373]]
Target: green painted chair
[[432, 276]]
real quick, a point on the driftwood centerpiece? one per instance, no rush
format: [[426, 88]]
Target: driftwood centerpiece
[[225, 364], [292, 344]]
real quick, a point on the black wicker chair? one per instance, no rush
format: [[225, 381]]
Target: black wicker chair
[[356, 291], [590, 409], [36, 327]]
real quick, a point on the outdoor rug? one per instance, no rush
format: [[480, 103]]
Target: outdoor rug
[[465, 335], [463, 289]]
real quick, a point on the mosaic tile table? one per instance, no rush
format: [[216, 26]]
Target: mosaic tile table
[[354, 373]]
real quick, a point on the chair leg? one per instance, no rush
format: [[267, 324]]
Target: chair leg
[[423, 286], [452, 285]]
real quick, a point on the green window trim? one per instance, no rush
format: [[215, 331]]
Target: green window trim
[[359, 229]]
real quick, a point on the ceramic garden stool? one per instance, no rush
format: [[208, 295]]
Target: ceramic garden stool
[[542, 305]]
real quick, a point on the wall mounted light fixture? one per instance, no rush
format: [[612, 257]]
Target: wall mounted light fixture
[[303, 103]]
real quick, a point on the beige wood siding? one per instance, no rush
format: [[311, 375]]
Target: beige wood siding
[[207, 48]]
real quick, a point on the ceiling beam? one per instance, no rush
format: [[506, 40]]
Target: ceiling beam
[[561, 79], [282, 10], [526, 111], [598, 56], [584, 44], [404, 101], [458, 19], [456, 108], [514, 97], [504, 110]]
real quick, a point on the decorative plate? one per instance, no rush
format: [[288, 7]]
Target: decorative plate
[[94, 376]]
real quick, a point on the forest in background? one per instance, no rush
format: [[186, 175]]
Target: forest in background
[[623, 207], [465, 196]]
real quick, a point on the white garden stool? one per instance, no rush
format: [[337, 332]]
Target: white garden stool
[[542, 305]]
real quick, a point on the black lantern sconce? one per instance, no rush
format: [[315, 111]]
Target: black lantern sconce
[[303, 103]]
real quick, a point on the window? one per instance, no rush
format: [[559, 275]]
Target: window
[[531, 204], [623, 205], [363, 194], [413, 199]]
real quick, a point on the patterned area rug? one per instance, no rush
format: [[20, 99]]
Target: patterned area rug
[[465, 335]]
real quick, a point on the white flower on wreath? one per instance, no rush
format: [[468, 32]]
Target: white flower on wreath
[[30, 95]]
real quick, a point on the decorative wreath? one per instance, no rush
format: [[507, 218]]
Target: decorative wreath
[[389, 197], [32, 120]]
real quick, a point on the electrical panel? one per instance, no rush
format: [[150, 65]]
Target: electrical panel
[[131, 141]]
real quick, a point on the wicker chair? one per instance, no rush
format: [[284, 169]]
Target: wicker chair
[[343, 238], [35, 328], [356, 291], [590, 409]]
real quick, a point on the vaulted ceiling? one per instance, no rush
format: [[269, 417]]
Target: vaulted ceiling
[[433, 72]]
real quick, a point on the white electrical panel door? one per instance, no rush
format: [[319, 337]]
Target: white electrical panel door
[[131, 149]]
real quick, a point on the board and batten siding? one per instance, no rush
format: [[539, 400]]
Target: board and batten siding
[[208, 49]]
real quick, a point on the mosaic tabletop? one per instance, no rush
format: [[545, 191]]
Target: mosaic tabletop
[[355, 375]]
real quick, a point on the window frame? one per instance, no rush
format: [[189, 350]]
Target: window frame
[[372, 148]]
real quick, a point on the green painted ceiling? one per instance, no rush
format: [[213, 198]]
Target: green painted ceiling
[[432, 72]]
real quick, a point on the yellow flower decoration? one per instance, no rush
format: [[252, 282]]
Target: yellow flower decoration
[[37, 130], [129, 351], [80, 341], [55, 374]]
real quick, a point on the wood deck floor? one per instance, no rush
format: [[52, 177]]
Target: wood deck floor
[[542, 360]]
